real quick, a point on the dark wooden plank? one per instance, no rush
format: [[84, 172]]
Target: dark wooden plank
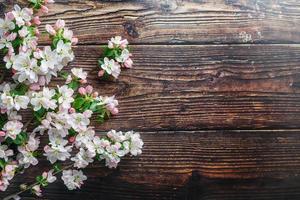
[[156, 21], [196, 165], [203, 87]]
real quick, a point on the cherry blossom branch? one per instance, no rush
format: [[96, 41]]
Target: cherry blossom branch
[[36, 183]]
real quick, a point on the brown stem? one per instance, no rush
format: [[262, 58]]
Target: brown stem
[[34, 184]]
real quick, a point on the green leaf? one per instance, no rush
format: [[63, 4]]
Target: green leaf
[[74, 85], [2, 163], [40, 114], [63, 74], [21, 138], [20, 90], [57, 168], [79, 101]]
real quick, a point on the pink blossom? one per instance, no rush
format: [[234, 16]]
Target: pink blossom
[[50, 29], [2, 133], [89, 89], [72, 110], [37, 32], [82, 91], [100, 73], [28, 23], [42, 80], [114, 111], [35, 87], [36, 20], [3, 110], [123, 44], [59, 24], [128, 63], [95, 94], [72, 139], [44, 9], [74, 41], [11, 37], [9, 16]]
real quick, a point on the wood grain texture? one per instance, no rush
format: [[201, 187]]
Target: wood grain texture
[[203, 87], [177, 21], [196, 165]]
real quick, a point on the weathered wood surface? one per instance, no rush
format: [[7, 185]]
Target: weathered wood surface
[[182, 87], [205, 164], [191, 98], [178, 21]]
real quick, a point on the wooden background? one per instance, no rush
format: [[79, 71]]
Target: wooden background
[[215, 94]]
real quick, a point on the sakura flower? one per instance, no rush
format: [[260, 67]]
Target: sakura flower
[[83, 158], [116, 136], [43, 99], [37, 190], [73, 179], [26, 68], [5, 152], [59, 24], [111, 67], [50, 29], [64, 50], [6, 25], [80, 121], [117, 42], [65, 98], [79, 73], [12, 129], [68, 34], [84, 137], [49, 176], [26, 157], [23, 32], [49, 60], [124, 56], [57, 149], [21, 102], [111, 104], [22, 15], [136, 144]]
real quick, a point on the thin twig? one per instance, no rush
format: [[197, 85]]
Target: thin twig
[[34, 184]]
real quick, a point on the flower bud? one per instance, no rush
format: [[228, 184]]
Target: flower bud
[[95, 94], [72, 110], [82, 91], [72, 139], [89, 89], [128, 63], [50, 30], [36, 20], [83, 81], [114, 111], [101, 73], [74, 41], [44, 9], [59, 24], [2, 133]]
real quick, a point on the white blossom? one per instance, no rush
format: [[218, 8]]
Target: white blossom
[[111, 67], [73, 178], [22, 15], [5, 152], [83, 158], [79, 73], [43, 99], [12, 129], [65, 98]]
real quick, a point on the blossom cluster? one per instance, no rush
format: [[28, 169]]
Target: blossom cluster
[[116, 55], [63, 113]]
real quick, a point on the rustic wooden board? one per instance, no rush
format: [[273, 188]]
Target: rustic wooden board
[[177, 21], [199, 87], [203, 164], [182, 85]]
